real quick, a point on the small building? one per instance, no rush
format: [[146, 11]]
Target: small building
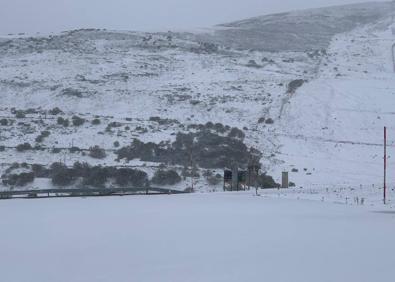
[[285, 180]]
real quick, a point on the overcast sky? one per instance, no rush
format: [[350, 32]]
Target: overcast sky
[[57, 15]]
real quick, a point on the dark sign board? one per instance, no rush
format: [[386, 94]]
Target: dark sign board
[[227, 175]]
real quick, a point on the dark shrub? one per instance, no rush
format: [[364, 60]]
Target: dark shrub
[[20, 114], [56, 150], [77, 121], [45, 133], [133, 177], [163, 121], [95, 176], [97, 153], [269, 121], [39, 148], [96, 121], [12, 167], [81, 169], [42, 136], [61, 175], [261, 120], [116, 144], [265, 181], [39, 139], [3, 122], [209, 125], [219, 127], [66, 123], [63, 122], [138, 149], [24, 147], [2, 148], [20, 179], [74, 149], [236, 133], [55, 111], [163, 177], [294, 85], [41, 171], [114, 124], [24, 165]]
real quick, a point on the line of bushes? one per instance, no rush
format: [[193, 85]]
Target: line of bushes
[[91, 176]]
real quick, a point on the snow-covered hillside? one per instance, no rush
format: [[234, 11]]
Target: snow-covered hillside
[[335, 122], [296, 30], [317, 106]]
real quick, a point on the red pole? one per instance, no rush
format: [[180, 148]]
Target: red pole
[[385, 165]]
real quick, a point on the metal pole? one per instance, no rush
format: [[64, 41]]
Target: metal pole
[[385, 165], [393, 54]]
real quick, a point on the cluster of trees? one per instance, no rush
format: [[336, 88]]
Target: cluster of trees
[[20, 179], [24, 147], [75, 120], [97, 176], [166, 177], [206, 148], [93, 176]]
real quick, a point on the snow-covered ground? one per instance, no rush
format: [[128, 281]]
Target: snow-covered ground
[[211, 237], [334, 124]]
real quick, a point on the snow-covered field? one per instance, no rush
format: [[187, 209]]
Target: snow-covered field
[[210, 237]]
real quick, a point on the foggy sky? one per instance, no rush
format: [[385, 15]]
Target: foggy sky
[[32, 16]]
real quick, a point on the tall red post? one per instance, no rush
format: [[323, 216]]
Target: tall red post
[[385, 165]]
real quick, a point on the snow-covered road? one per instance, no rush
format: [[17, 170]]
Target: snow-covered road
[[197, 237]]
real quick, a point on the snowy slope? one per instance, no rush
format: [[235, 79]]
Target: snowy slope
[[296, 30], [330, 129], [335, 122]]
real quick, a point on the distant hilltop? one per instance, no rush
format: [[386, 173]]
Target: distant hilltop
[[303, 30]]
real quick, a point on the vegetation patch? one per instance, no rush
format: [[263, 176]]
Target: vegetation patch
[[166, 177], [62, 121], [204, 148], [19, 180], [24, 147], [42, 136], [294, 85], [97, 153], [77, 121]]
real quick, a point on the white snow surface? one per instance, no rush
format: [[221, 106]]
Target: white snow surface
[[209, 237], [335, 123]]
